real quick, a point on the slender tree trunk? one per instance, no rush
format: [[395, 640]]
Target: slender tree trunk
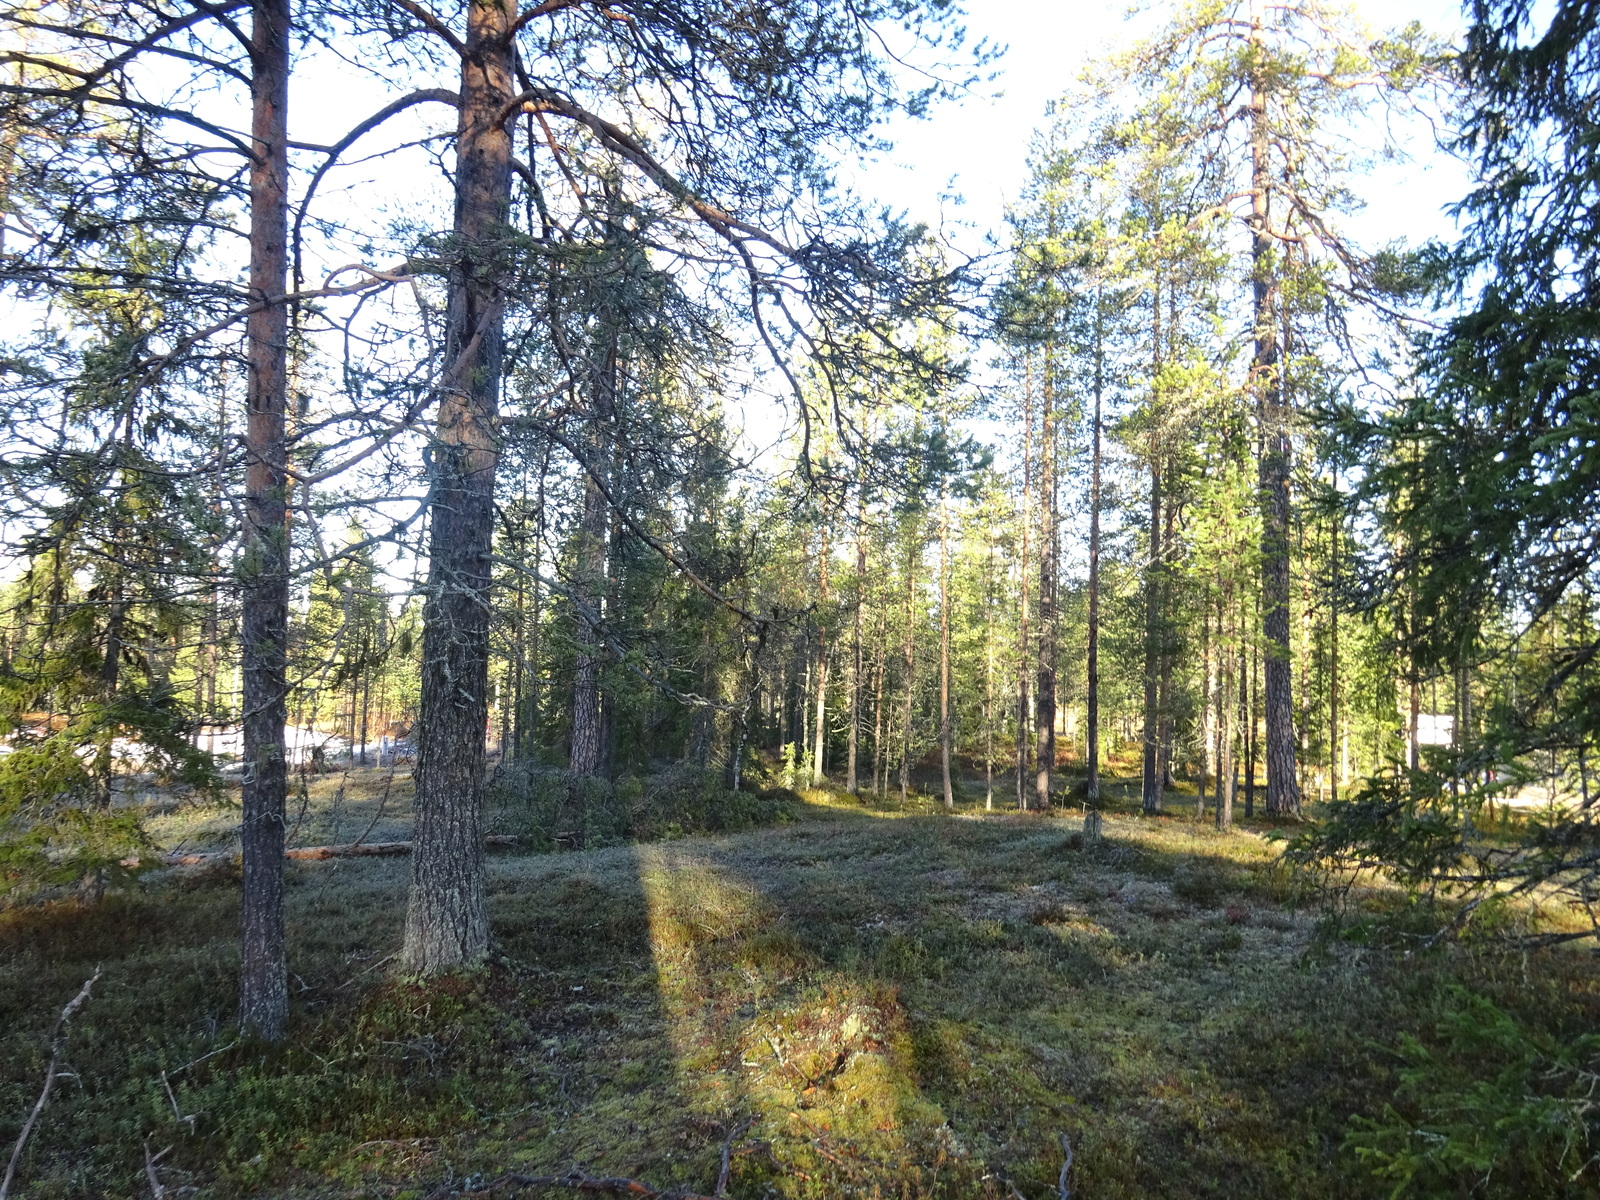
[[516, 672], [1267, 379], [1024, 514], [820, 732], [1225, 709], [1252, 720], [1092, 767], [1333, 644], [1164, 703], [780, 701], [263, 976], [910, 664], [447, 922], [1153, 777], [529, 724], [1049, 562], [366, 697], [586, 749], [1413, 718], [800, 721], [1208, 700], [880, 773], [988, 670], [944, 648], [852, 783]]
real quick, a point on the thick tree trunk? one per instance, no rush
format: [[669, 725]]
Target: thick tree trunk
[[1273, 479], [447, 922], [263, 976]]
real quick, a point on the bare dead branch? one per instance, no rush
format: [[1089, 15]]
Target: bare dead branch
[[727, 1153], [316, 854], [577, 1181], [1062, 1190], [58, 1043], [150, 1162]]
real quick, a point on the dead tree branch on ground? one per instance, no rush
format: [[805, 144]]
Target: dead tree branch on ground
[[58, 1043]]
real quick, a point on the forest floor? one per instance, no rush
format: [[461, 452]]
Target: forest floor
[[898, 1002]]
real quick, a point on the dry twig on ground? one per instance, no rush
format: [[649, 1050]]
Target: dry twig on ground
[[577, 1181], [1062, 1190], [58, 1043]]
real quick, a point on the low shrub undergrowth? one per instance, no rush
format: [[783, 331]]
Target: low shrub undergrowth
[[546, 808]]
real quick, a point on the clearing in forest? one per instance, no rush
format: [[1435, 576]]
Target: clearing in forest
[[879, 1003]]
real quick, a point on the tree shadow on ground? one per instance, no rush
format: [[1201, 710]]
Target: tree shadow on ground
[[924, 1005]]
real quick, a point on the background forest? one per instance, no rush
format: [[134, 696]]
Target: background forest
[[473, 432]]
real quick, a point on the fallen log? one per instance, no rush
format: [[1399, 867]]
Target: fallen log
[[312, 853]]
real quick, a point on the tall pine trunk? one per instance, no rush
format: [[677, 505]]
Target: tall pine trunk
[[910, 666], [1333, 644], [447, 921], [1092, 767], [1164, 702], [263, 976], [944, 647], [1152, 778], [820, 732], [851, 782], [1273, 478], [880, 770], [1228, 652], [988, 669], [583, 758], [1022, 623], [1049, 561]]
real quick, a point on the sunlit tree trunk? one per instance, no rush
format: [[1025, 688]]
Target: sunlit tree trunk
[[944, 647], [1092, 716], [880, 769], [910, 668], [447, 921], [1153, 781], [820, 730], [263, 976], [1049, 562], [851, 783], [1226, 706], [1333, 645], [1025, 516], [988, 669]]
